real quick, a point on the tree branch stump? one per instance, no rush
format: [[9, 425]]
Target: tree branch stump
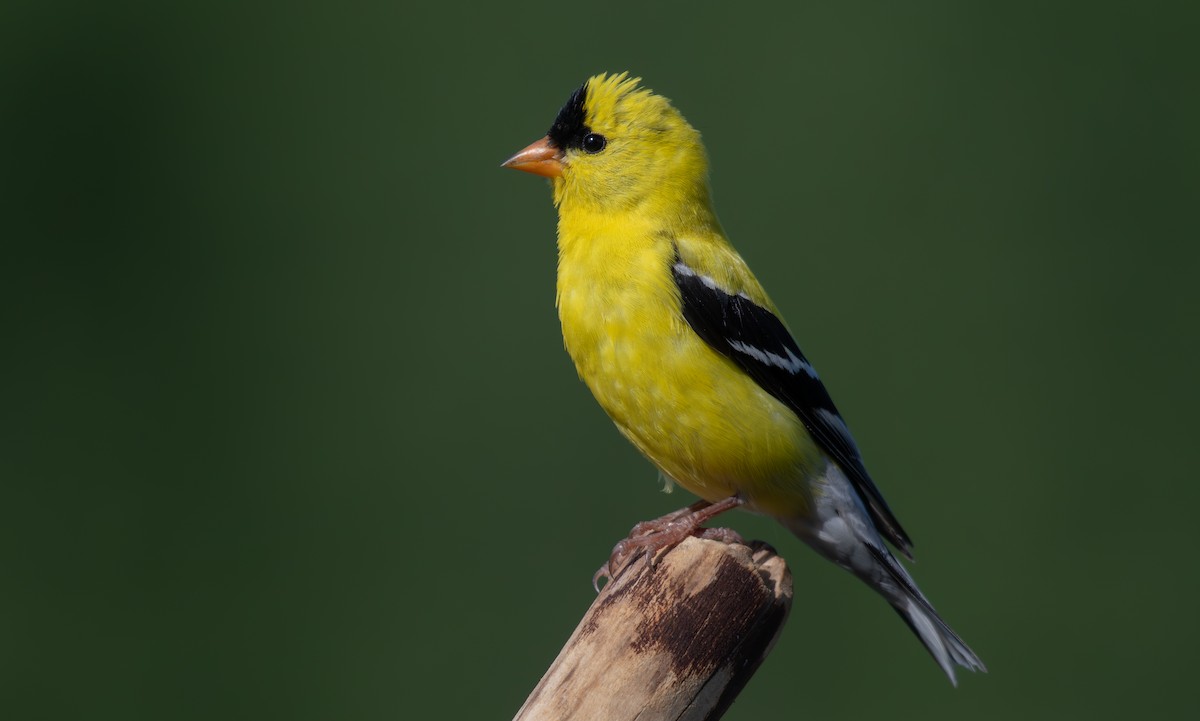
[[677, 641]]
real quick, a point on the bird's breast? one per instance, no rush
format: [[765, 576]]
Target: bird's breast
[[693, 413]]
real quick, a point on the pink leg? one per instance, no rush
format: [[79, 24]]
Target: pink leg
[[666, 532]]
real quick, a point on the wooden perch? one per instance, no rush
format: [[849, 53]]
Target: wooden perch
[[677, 641]]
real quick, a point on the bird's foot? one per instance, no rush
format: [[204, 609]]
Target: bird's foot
[[649, 538]]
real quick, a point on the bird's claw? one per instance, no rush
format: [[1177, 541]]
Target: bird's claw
[[623, 554], [664, 533], [601, 573]]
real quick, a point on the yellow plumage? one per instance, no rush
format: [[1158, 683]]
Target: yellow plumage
[[704, 423], [682, 347]]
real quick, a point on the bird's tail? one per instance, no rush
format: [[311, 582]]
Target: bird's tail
[[946, 647], [839, 527]]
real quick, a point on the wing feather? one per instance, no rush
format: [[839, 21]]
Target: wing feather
[[757, 341]]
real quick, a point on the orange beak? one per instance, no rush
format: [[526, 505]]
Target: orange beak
[[540, 158]]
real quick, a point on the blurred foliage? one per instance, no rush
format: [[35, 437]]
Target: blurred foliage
[[288, 431]]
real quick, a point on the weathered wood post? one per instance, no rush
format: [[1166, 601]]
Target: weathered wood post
[[677, 641]]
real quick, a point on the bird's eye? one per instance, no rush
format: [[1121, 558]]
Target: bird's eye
[[593, 143]]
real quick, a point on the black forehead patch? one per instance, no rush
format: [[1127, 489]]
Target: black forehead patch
[[569, 127]]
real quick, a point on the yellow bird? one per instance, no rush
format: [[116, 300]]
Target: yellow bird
[[686, 353]]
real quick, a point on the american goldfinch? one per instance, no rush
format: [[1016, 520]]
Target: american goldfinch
[[689, 357]]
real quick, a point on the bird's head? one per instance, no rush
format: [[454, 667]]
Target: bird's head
[[615, 145]]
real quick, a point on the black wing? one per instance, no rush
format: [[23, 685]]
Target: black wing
[[757, 341]]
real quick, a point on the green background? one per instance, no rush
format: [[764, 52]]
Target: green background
[[287, 426]]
